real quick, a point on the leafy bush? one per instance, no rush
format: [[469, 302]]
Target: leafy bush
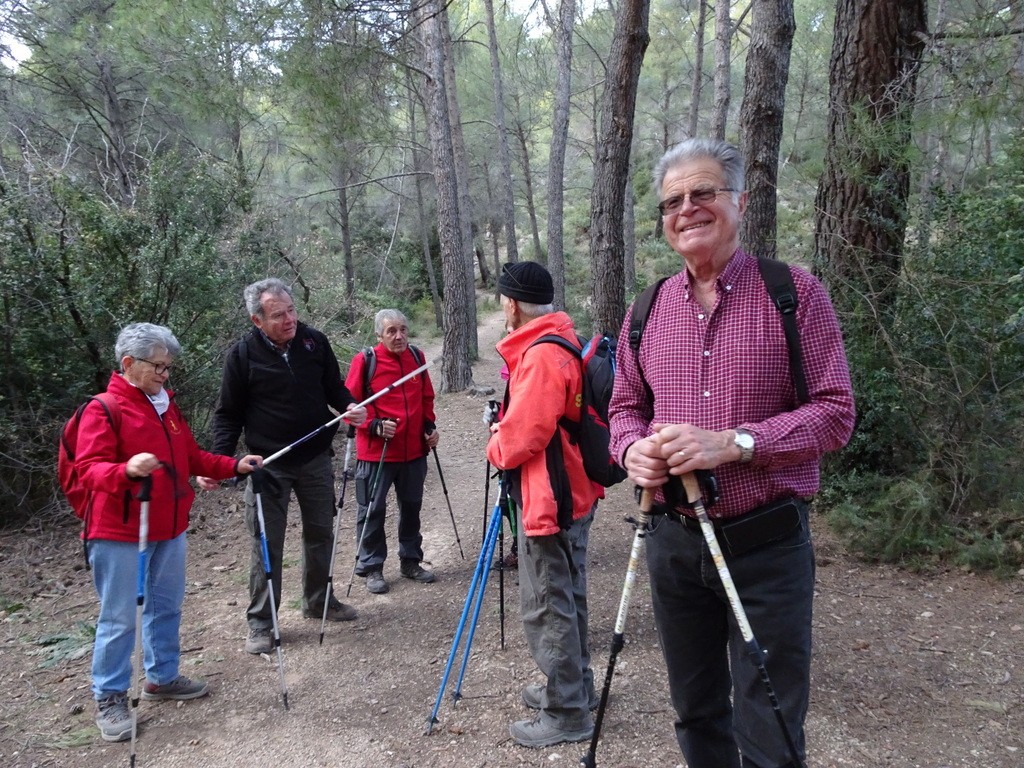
[[76, 267], [935, 467]]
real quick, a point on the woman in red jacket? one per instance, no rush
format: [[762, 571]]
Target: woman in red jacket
[[143, 435]]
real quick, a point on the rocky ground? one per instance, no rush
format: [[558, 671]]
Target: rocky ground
[[909, 670]]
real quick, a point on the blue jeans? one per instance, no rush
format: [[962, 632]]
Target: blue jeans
[[115, 568], [313, 484], [705, 653]]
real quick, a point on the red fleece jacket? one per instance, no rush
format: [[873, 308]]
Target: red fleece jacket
[[103, 454]]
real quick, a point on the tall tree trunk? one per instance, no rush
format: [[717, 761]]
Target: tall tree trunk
[[456, 373], [764, 100], [629, 229], [559, 138], [417, 165], [723, 69], [461, 180], [697, 87], [611, 169], [116, 132], [342, 178], [508, 203], [531, 207], [861, 203]]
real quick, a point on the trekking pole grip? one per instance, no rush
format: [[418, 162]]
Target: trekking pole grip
[[146, 488], [257, 479]]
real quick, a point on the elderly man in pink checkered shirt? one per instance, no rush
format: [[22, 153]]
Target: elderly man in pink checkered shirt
[[710, 388]]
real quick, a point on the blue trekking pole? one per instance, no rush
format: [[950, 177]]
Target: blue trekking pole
[[257, 488], [337, 526], [479, 578], [145, 494]]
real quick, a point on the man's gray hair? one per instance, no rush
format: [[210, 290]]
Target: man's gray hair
[[533, 311], [143, 340], [388, 316], [728, 157], [253, 292]]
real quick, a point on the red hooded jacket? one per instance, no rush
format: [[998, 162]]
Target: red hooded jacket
[[103, 454], [545, 383]]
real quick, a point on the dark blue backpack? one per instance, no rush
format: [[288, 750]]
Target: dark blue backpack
[[591, 434]]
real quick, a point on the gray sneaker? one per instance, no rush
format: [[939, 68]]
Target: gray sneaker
[[260, 640], [533, 692], [375, 583], [537, 733], [180, 689], [113, 718]]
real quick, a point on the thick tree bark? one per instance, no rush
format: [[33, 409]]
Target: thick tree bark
[[861, 204], [559, 137], [611, 169], [764, 100], [456, 373], [461, 179], [424, 226]]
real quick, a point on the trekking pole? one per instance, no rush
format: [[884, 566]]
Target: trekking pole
[[479, 579], [337, 526], [487, 500], [501, 581], [640, 531], [145, 494], [257, 488], [336, 419], [444, 487], [374, 484], [754, 652], [486, 555]]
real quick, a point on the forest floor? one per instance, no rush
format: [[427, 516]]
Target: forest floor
[[909, 669]]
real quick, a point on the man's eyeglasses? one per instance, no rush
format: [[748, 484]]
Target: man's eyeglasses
[[159, 368], [702, 196]]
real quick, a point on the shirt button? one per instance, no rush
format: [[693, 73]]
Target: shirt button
[[700, 316], [728, 287], [707, 353], [707, 394]]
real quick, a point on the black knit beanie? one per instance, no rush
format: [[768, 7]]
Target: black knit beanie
[[526, 281]]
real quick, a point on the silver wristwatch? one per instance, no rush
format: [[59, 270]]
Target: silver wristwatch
[[745, 442]]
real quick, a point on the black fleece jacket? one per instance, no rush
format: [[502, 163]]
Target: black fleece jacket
[[277, 401]]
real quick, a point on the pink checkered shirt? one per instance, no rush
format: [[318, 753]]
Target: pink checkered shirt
[[729, 369]]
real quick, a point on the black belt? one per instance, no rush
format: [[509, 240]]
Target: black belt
[[759, 526]]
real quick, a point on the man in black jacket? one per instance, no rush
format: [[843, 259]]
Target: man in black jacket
[[277, 385]]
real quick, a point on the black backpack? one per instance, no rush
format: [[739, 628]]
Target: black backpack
[[591, 434], [778, 280], [371, 366]]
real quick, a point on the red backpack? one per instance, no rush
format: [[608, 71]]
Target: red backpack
[[78, 496]]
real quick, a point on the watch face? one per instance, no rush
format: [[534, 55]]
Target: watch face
[[744, 440]]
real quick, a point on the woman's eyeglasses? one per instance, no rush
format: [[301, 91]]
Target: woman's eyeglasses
[[159, 368]]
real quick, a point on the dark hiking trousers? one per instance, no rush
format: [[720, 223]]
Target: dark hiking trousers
[[702, 643]]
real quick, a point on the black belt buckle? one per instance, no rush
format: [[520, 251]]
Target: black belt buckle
[[761, 526]]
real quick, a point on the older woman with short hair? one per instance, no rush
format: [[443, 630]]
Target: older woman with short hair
[[143, 435]]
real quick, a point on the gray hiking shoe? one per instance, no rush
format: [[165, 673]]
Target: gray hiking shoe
[[336, 611], [533, 692], [537, 733], [375, 583], [113, 718], [180, 689], [413, 570], [260, 640]]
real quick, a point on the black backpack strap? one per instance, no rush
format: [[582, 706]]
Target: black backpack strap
[[779, 281], [641, 311], [369, 368], [570, 426]]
